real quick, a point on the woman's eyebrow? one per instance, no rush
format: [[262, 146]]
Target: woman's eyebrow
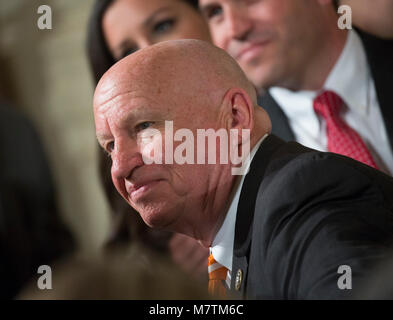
[[152, 17]]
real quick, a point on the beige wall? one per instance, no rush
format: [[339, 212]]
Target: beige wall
[[47, 75]]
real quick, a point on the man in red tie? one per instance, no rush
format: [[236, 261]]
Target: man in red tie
[[297, 54]]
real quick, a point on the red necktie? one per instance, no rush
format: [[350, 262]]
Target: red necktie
[[342, 139], [217, 277]]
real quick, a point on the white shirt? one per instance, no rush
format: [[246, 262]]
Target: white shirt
[[222, 246], [351, 79]]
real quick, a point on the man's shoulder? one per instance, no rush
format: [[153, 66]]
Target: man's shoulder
[[285, 177], [297, 161], [379, 52], [372, 40], [297, 175], [313, 190], [315, 202]]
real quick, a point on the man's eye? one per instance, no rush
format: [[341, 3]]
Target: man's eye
[[213, 12], [163, 26], [110, 147], [144, 125]]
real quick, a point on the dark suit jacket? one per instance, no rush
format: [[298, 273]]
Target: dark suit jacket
[[379, 54], [301, 215], [31, 231]]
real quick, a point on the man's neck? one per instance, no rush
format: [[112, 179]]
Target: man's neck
[[221, 199], [321, 64], [213, 209]]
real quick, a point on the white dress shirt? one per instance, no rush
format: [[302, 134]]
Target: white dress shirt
[[222, 246], [351, 79]]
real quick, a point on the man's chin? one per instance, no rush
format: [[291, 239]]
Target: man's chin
[[157, 218], [261, 72]]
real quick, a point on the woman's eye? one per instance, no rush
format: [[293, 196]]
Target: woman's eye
[[127, 52], [144, 125], [163, 26]]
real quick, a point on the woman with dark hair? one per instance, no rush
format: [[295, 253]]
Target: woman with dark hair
[[118, 28]]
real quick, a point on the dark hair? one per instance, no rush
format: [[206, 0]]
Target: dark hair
[[99, 56]]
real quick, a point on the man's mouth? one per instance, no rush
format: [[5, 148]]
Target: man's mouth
[[250, 51], [139, 190]]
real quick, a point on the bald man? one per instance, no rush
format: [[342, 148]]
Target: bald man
[[300, 224]]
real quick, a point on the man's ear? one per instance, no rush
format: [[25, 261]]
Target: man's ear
[[239, 114], [240, 110]]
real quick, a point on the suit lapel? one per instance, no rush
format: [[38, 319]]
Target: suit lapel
[[245, 213], [280, 124], [379, 55]]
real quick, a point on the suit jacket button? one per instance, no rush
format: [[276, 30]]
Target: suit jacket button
[[238, 280]]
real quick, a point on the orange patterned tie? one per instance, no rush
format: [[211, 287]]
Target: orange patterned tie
[[218, 276]]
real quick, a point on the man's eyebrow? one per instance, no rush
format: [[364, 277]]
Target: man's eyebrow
[[102, 137]]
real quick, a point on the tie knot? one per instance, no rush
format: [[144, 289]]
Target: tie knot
[[216, 270], [211, 260], [342, 139], [328, 104]]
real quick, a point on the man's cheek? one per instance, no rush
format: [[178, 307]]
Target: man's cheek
[[151, 146], [218, 39], [120, 187]]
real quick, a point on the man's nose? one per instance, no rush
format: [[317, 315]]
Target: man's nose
[[125, 158], [238, 23]]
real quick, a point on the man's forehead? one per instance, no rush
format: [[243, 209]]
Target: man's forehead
[[125, 106], [109, 88], [116, 93], [113, 99], [120, 112]]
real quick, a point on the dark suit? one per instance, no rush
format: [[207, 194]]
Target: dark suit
[[302, 214], [31, 231], [379, 56]]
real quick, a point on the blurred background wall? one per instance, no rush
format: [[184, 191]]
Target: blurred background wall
[[44, 73]]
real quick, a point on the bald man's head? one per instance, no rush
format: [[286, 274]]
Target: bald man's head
[[193, 86], [189, 67]]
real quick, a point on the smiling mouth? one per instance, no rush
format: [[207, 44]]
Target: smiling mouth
[[251, 51]]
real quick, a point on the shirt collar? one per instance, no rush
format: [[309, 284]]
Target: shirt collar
[[297, 106], [222, 246], [350, 76]]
